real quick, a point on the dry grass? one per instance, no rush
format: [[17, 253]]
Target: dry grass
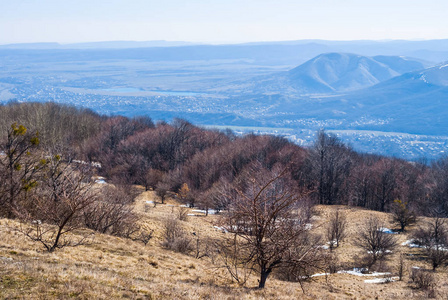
[[112, 267]]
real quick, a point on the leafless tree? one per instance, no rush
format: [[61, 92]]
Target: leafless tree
[[162, 190], [336, 229], [264, 214], [433, 237], [329, 161], [375, 241], [63, 194]]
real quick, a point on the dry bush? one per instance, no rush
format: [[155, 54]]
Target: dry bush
[[175, 237], [113, 212], [182, 214], [424, 280]]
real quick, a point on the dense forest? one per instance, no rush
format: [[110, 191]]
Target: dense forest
[[179, 157]]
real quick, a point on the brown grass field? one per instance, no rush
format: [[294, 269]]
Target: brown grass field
[[111, 267]]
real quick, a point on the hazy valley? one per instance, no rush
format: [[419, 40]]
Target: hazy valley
[[381, 97]]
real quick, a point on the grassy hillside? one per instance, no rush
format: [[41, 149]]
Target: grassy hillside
[[111, 267]]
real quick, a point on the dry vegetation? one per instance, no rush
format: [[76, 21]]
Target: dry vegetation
[[112, 267]]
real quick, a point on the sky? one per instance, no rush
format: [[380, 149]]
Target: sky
[[220, 21]]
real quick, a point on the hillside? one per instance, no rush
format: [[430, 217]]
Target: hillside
[[111, 267], [340, 72]]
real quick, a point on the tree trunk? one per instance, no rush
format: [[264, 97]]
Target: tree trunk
[[263, 276]]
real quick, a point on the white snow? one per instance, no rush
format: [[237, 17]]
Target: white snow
[[210, 211], [320, 274], [357, 272], [150, 202], [411, 244], [444, 66], [220, 228], [381, 280], [387, 230]]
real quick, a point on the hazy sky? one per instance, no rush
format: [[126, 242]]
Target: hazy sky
[[67, 21]]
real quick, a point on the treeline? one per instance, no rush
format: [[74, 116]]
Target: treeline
[[200, 162]]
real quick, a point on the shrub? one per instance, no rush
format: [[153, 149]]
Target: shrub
[[175, 237]]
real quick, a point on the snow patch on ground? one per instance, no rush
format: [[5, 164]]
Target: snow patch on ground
[[210, 211], [387, 230], [359, 272], [411, 244], [320, 274], [381, 280], [220, 229]]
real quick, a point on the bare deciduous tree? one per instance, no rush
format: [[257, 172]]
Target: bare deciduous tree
[[433, 236], [336, 229], [375, 241], [264, 214], [58, 204]]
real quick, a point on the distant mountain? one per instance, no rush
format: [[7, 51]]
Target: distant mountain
[[127, 44], [99, 45], [331, 73], [415, 102], [31, 46]]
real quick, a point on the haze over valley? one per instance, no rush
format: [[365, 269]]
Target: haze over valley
[[386, 97]]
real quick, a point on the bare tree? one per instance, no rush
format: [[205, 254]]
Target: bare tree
[[375, 241], [336, 229], [162, 190], [433, 236], [265, 216], [330, 163], [58, 204]]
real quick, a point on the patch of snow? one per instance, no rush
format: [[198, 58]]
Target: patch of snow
[[411, 244], [381, 280], [358, 272], [220, 228], [210, 211], [100, 181], [150, 202], [387, 251], [387, 230], [191, 215], [308, 226], [444, 66], [320, 274]]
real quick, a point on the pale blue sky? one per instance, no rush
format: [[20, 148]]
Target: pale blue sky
[[220, 21]]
